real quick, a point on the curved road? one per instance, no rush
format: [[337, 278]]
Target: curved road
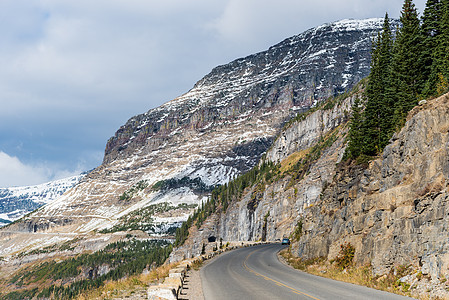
[[256, 273]]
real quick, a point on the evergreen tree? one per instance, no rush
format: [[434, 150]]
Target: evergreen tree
[[431, 31], [415, 65], [371, 114], [377, 126], [386, 127], [431, 20], [353, 150], [441, 58], [407, 66]]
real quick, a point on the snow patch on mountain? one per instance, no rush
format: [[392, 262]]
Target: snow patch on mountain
[[15, 202]]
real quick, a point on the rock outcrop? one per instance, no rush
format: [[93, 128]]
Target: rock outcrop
[[395, 212], [282, 203]]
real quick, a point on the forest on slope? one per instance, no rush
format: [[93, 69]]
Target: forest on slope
[[406, 68]]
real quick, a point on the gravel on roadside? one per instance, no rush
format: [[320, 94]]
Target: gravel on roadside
[[192, 288]]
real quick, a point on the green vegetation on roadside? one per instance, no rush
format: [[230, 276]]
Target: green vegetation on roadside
[[70, 277]]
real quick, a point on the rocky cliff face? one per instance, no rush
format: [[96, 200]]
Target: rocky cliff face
[[274, 212], [293, 74], [176, 153], [395, 212]]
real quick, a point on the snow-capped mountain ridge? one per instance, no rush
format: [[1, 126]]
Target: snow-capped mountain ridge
[[16, 202], [240, 105], [341, 49]]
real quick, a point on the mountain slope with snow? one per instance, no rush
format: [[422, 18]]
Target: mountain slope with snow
[[15, 202], [176, 153]]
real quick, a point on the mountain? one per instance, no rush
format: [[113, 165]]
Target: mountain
[[15, 202], [392, 210], [304, 156], [294, 75], [160, 165], [279, 119]]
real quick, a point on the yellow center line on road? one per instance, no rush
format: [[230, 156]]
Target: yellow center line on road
[[275, 281]]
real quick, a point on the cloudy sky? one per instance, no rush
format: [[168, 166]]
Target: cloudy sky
[[73, 71]]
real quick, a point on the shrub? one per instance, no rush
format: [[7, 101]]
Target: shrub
[[298, 231], [345, 257], [442, 85]]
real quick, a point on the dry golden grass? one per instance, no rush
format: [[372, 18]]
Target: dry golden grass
[[357, 275], [197, 264], [128, 286], [292, 159]]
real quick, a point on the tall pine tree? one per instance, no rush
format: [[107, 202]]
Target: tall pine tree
[[441, 58], [415, 65], [355, 138], [431, 29], [407, 67], [377, 127]]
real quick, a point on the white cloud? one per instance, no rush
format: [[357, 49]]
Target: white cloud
[[115, 55], [78, 55], [13, 172]]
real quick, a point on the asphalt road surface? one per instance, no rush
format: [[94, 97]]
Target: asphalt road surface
[[256, 273]]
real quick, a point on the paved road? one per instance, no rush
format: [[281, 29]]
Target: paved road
[[256, 273]]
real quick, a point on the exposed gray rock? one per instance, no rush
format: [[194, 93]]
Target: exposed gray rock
[[396, 214], [394, 211], [281, 204]]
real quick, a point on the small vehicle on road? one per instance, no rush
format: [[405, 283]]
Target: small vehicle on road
[[285, 241]]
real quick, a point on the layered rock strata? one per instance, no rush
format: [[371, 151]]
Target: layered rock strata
[[396, 211]]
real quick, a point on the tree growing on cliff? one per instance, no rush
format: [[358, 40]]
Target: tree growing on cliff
[[407, 80], [355, 137], [442, 49], [415, 65], [377, 125], [443, 41], [431, 30], [435, 31], [371, 128]]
